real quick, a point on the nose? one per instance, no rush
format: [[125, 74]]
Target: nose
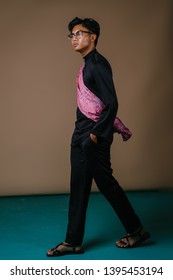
[[74, 38]]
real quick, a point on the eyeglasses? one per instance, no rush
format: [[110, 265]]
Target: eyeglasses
[[78, 34]]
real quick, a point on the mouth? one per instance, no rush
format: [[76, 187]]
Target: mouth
[[75, 45]]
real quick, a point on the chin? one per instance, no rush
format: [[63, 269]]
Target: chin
[[77, 49]]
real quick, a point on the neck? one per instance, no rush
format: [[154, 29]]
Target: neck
[[85, 52]]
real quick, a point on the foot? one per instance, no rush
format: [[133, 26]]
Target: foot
[[131, 240], [64, 248]]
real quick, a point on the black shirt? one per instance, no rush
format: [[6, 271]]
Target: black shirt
[[97, 76]]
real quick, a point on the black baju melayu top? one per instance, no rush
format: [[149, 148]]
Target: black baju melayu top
[[97, 76]]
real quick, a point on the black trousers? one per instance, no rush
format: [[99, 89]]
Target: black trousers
[[92, 161]]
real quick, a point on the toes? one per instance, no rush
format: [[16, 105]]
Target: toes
[[121, 243], [50, 252]]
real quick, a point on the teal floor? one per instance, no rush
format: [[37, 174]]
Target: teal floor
[[29, 225]]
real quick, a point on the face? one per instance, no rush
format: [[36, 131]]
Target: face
[[84, 42]]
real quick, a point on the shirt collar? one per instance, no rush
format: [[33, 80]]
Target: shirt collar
[[89, 55]]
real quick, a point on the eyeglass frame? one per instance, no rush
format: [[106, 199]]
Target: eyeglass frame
[[78, 34]]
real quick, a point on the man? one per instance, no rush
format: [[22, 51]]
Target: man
[[91, 142]]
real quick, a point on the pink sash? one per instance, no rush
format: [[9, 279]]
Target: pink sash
[[91, 106]]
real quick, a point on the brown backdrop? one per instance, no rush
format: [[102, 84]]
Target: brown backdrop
[[37, 91]]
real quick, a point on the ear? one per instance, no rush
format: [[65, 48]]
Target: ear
[[93, 37]]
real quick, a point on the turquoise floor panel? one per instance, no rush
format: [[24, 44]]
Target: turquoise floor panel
[[29, 225]]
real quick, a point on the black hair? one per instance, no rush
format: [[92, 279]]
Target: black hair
[[92, 25]]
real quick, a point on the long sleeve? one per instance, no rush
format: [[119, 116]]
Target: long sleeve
[[104, 85]]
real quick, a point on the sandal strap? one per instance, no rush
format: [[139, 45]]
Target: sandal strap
[[126, 242], [65, 245], [134, 239], [137, 232]]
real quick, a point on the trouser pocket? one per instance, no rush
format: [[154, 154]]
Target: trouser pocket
[[88, 143]]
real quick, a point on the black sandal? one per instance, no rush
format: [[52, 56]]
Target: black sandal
[[69, 249], [132, 240]]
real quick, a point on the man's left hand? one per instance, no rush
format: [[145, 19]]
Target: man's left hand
[[93, 138]]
